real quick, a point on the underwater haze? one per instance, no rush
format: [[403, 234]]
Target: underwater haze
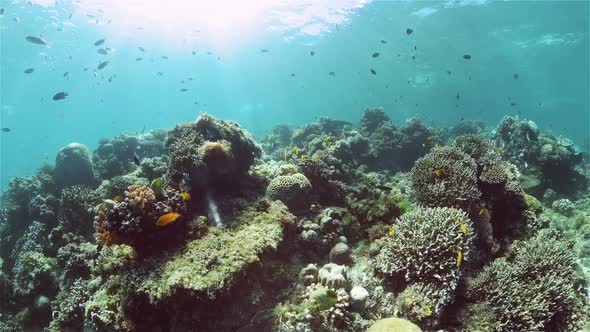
[[294, 166], [251, 63]]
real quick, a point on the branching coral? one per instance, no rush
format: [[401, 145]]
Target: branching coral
[[536, 288], [427, 245], [446, 177]]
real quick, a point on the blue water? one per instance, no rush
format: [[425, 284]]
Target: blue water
[[244, 60]]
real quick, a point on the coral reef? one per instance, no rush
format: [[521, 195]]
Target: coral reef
[[335, 227]]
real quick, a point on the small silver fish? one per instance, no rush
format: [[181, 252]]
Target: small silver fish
[[36, 40], [102, 65]]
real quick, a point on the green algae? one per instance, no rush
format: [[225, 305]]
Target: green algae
[[210, 264]]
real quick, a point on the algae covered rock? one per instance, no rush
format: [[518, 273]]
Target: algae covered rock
[[393, 325], [210, 265], [73, 166], [293, 190]]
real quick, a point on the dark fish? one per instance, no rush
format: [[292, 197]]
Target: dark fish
[[102, 51], [2, 10], [292, 74], [29, 70], [66, 73], [164, 57], [515, 76], [70, 16], [458, 96], [409, 31], [449, 72], [183, 90], [99, 42], [467, 57], [60, 96], [194, 53], [108, 48], [102, 65], [36, 40], [160, 73], [6, 129], [312, 53], [373, 72], [141, 48], [413, 57], [415, 48], [332, 73], [136, 159], [512, 103], [375, 55], [383, 41], [138, 59], [386, 188], [190, 78], [264, 50]]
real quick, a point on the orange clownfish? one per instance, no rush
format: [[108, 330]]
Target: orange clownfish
[[167, 218], [186, 196]]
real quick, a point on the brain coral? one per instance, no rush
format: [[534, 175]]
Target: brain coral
[[446, 177], [423, 246], [293, 190]]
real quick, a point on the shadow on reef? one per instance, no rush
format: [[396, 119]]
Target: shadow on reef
[[333, 226]]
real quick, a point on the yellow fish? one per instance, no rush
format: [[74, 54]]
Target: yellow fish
[[498, 149], [167, 218], [483, 212], [462, 226], [327, 141], [391, 231], [303, 157], [295, 150], [429, 138], [118, 199], [437, 145], [459, 257], [186, 196], [439, 172]]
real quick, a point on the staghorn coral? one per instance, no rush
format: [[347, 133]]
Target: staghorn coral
[[537, 287], [293, 190], [446, 177], [423, 246]]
